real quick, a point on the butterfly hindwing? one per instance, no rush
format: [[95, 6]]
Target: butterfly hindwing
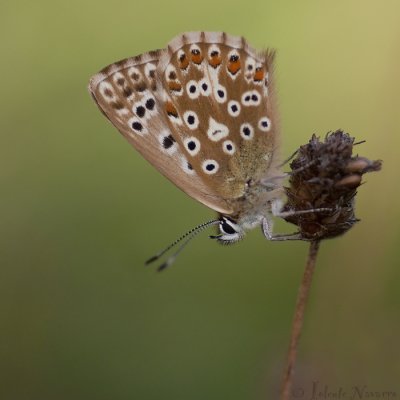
[[129, 95], [221, 106]]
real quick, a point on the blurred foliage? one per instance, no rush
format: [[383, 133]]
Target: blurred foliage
[[81, 210]]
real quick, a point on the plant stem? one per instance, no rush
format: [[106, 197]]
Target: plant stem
[[302, 298]]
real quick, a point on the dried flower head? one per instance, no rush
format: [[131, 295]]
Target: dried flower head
[[325, 175]]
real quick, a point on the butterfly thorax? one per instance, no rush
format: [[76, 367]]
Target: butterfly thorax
[[254, 204], [257, 204]]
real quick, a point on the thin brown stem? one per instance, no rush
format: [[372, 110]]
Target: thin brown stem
[[301, 303]]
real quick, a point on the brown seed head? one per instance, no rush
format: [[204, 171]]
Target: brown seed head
[[325, 175]]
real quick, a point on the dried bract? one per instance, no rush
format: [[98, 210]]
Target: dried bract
[[325, 175]]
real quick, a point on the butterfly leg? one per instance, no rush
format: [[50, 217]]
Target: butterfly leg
[[267, 231], [270, 183], [273, 182], [285, 214], [276, 207], [303, 168]]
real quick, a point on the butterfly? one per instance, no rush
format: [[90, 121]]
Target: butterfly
[[203, 112]]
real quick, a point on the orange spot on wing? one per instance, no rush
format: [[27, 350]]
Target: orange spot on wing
[[174, 86], [234, 67], [171, 110], [259, 74], [197, 58], [183, 63], [215, 61]]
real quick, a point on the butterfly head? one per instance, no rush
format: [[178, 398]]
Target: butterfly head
[[229, 231]]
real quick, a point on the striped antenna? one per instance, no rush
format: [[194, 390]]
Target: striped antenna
[[189, 235]]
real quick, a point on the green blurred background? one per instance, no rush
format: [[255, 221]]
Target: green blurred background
[[81, 210]]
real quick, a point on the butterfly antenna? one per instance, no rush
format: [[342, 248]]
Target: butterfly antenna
[[171, 259], [192, 233]]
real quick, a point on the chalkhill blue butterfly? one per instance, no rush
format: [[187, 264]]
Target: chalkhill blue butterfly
[[203, 112]]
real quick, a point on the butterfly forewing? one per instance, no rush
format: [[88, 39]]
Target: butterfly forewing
[[217, 90], [128, 94]]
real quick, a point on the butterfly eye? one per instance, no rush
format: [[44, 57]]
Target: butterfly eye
[[227, 227], [230, 232]]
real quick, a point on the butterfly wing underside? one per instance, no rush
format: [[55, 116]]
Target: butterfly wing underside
[[221, 102], [202, 111], [127, 94]]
